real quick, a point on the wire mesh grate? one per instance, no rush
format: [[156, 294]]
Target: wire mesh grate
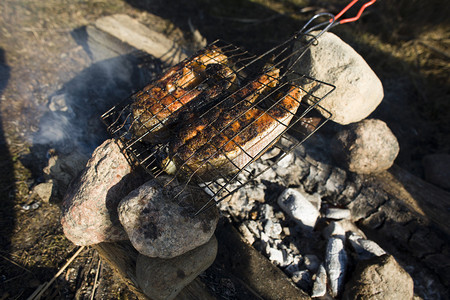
[[207, 119]]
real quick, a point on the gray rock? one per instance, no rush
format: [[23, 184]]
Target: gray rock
[[379, 278], [364, 248], [297, 206], [358, 89], [44, 190], [63, 168], [159, 218], [320, 283], [89, 214], [336, 261], [337, 213], [365, 147], [164, 278], [437, 169]]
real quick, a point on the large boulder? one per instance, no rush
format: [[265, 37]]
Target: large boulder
[[89, 211], [163, 279], [159, 217], [379, 278], [358, 89], [365, 147]]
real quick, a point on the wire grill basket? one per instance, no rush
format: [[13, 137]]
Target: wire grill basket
[[206, 120]]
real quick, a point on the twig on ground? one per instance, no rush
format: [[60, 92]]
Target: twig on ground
[[94, 288], [43, 287], [14, 263], [434, 49]]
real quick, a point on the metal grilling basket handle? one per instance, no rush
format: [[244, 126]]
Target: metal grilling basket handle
[[124, 123]]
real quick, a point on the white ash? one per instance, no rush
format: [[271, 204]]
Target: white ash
[[270, 225], [246, 233], [272, 229], [297, 206], [337, 213], [320, 283], [336, 261]]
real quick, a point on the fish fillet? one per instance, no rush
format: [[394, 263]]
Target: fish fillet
[[155, 103], [240, 142]]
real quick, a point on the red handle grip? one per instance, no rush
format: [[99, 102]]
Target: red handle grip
[[348, 20]]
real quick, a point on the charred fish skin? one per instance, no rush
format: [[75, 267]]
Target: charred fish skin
[[157, 101]]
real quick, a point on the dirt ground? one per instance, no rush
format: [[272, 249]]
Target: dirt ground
[[405, 43]]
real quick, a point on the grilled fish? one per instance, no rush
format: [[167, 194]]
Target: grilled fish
[[155, 103], [243, 135], [198, 131]]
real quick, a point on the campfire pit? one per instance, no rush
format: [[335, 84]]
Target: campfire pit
[[149, 154]]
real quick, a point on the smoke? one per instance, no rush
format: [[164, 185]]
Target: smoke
[[71, 119]]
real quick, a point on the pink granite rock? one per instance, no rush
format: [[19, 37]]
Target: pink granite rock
[[89, 212], [159, 218]]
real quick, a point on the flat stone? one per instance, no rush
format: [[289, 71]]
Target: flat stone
[[89, 211], [44, 190], [379, 278], [164, 278], [130, 31], [365, 147], [358, 89], [159, 218]]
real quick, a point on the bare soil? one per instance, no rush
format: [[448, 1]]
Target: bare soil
[[406, 43]]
